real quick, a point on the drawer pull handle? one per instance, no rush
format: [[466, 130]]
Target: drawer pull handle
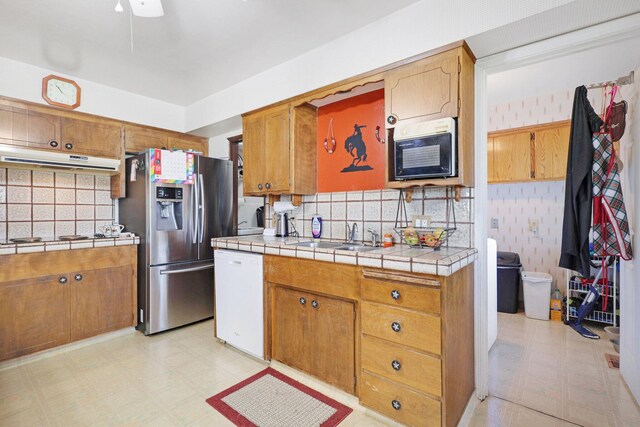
[[395, 294], [314, 304], [395, 326], [396, 405], [396, 365], [78, 277], [303, 300], [267, 186], [68, 146], [259, 186], [62, 280], [53, 143]]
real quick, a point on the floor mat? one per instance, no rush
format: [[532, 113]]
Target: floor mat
[[271, 398], [613, 360]]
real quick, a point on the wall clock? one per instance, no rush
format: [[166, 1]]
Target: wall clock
[[61, 92]]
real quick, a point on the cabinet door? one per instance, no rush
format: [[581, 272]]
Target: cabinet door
[[424, 90], [491, 167], [102, 301], [291, 328], [185, 144], [139, 139], [92, 138], [551, 152], [34, 315], [253, 151], [332, 341], [512, 157], [33, 129], [276, 151]]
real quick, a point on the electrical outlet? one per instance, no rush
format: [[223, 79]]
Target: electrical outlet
[[495, 223], [534, 226]]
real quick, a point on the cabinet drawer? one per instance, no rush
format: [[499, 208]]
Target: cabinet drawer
[[402, 364], [399, 402], [421, 331], [375, 288]]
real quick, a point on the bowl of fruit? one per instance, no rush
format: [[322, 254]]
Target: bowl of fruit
[[429, 237]]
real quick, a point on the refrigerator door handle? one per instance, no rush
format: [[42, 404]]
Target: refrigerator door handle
[[195, 203], [202, 206], [187, 270]]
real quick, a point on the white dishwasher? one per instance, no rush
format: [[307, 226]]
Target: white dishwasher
[[239, 300]]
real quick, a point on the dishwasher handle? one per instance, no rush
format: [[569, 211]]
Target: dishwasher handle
[[187, 270]]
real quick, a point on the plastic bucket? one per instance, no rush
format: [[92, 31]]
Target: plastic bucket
[[537, 294]]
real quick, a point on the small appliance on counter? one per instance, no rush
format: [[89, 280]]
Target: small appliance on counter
[[282, 210]]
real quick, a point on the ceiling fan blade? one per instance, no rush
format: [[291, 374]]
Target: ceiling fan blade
[[147, 8]]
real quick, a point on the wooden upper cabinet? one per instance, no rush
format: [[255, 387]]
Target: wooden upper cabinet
[[279, 153], [21, 126], [102, 139], [138, 139], [188, 142], [34, 314], [532, 153], [424, 90], [551, 152]]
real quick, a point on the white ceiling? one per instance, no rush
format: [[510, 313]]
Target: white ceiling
[[198, 48], [597, 65]]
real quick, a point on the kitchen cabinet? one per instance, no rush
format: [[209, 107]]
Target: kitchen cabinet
[[188, 142], [41, 308], [304, 325], [102, 301], [94, 138], [532, 153], [437, 86], [34, 314], [279, 150], [141, 138], [20, 125], [423, 90]]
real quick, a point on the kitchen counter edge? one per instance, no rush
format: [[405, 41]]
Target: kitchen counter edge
[[64, 245]]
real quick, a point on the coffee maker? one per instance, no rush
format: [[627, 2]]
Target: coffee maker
[[282, 210]]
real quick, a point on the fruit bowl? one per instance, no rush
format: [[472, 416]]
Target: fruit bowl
[[424, 237]]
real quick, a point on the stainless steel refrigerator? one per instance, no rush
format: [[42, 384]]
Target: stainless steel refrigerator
[[175, 223]]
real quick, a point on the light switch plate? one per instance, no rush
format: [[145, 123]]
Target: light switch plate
[[495, 223]]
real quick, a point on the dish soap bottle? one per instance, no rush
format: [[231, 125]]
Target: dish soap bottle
[[316, 226]]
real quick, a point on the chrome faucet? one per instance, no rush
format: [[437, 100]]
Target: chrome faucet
[[352, 232], [375, 236]]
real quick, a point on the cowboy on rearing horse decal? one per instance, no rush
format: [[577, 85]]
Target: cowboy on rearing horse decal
[[356, 143]]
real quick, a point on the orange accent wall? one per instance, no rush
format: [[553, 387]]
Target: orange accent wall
[[357, 168]]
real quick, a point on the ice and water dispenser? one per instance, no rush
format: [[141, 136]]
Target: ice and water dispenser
[[168, 208]]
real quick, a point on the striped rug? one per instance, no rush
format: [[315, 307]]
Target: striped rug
[[272, 399]]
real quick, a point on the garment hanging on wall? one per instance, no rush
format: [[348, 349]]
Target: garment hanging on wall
[[576, 224]]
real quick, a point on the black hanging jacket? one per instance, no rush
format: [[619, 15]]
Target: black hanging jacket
[[578, 188]]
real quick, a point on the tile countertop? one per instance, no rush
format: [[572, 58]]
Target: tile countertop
[[63, 245], [444, 262]]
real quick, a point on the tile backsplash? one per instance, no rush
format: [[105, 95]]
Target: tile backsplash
[[377, 209], [47, 204]]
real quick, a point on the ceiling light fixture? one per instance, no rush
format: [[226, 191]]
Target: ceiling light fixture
[[119, 8], [147, 8]]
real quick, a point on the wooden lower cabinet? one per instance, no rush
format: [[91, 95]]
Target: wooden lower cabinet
[[315, 334], [407, 338], [34, 314], [103, 301], [41, 309]]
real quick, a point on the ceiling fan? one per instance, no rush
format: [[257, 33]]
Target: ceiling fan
[[143, 8]]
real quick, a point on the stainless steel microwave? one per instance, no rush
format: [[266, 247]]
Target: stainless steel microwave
[[425, 150]]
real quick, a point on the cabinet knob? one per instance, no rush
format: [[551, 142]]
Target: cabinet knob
[[62, 280], [395, 326], [396, 365], [396, 404], [314, 304], [392, 119], [259, 186], [267, 186], [53, 143], [303, 300], [395, 294], [78, 277], [68, 146]]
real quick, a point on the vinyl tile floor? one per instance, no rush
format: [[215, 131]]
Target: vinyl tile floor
[[543, 373]]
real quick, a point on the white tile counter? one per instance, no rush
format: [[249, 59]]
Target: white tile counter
[[443, 262], [63, 245]]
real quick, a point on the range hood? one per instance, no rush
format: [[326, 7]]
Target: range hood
[[19, 156]]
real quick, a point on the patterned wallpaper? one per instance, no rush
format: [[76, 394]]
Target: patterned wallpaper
[[47, 204]]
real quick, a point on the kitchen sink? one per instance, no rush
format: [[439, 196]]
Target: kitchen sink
[[319, 245], [355, 248]]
